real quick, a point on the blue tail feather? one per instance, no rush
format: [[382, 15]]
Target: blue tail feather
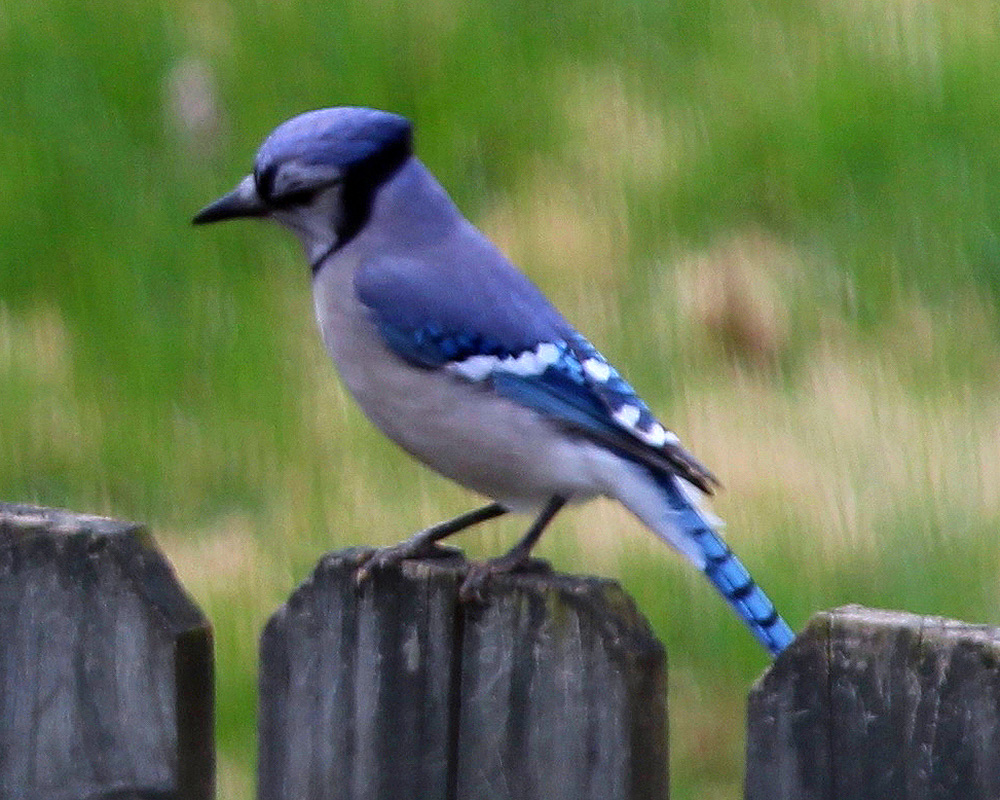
[[726, 571]]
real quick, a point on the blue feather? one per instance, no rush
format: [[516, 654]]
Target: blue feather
[[556, 395], [431, 346], [339, 137], [725, 571]]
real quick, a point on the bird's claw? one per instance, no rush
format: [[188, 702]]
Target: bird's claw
[[479, 574], [476, 578], [471, 590], [395, 554]]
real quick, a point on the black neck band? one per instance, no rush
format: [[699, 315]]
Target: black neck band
[[362, 182], [326, 254]]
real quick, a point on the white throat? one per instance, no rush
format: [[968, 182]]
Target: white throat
[[315, 224]]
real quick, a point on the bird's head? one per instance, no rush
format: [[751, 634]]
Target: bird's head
[[318, 173]]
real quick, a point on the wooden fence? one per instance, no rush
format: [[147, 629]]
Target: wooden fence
[[555, 688]]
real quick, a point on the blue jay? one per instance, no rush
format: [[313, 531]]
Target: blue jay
[[458, 358]]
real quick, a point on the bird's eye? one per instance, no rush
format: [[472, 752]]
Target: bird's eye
[[283, 190]]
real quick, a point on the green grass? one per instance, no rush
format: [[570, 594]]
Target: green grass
[[782, 220]]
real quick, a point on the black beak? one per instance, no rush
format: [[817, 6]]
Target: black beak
[[243, 201]]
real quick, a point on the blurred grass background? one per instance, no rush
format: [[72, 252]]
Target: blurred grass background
[[780, 219]]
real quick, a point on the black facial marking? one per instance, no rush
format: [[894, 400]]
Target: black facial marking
[[364, 178], [264, 181]]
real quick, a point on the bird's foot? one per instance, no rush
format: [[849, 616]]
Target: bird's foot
[[394, 554], [479, 574]]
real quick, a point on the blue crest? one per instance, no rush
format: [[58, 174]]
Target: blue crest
[[341, 137]]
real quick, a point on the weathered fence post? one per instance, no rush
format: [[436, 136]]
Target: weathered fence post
[[105, 665], [878, 704], [553, 688]]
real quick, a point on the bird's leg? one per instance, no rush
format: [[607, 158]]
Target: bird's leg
[[516, 558], [422, 544]]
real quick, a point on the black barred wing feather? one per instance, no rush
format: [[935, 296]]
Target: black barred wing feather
[[625, 406]]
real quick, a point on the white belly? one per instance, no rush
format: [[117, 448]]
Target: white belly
[[462, 430]]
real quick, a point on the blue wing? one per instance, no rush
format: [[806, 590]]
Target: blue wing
[[494, 326], [446, 305]]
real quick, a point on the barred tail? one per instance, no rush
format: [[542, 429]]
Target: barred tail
[[730, 577], [689, 528], [724, 569]]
